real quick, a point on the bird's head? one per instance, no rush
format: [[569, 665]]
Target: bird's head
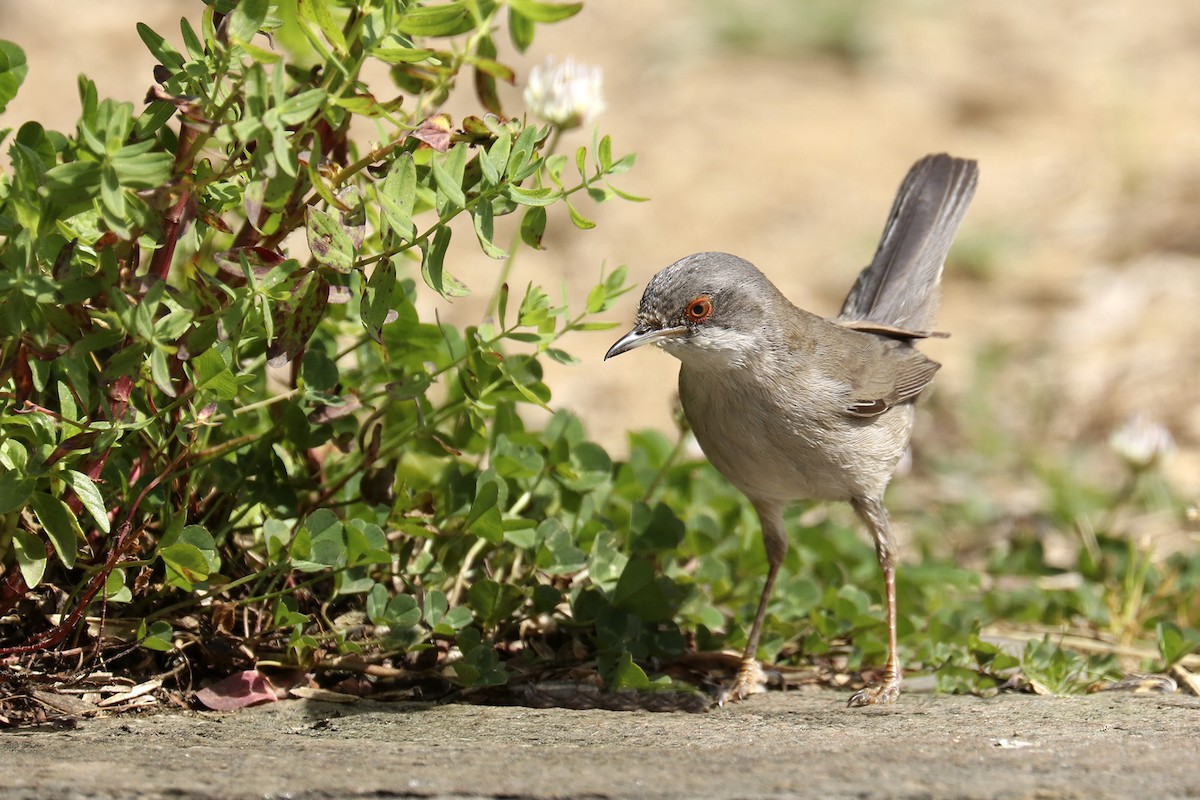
[[707, 307]]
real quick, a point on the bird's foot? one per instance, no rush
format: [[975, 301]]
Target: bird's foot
[[750, 680], [884, 693]]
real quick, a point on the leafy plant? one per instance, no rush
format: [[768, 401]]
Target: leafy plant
[[219, 392]]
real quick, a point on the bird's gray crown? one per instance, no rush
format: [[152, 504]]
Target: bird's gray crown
[[734, 284]]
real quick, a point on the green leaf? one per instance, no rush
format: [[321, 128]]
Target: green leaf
[[379, 301], [211, 375], [299, 107], [654, 530], [639, 592], [160, 371], [397, 195], [502, 305], [185, 564], [158, 636], [115, 590], [1174, 643], [623, 164], [13, 69], [521, 162], [297, 317], [395, 50], [436, 606], [581, 163], [533, 227], [399, 612], [328, 240], [597, 298], [587, 468], [531, 197], [319, 371], [433, 255], [30, 551], [484, 230], [112, 196], [60, 524], [89, 494], [493, 602], [520, 30], [480, 664], [277, 534], [580, 221], [446, 19], [286, 613], [497, 155], [632, 198], [328, 543], [604, 153], [246, 19], [565, 557], [448, 175], [160, 48], [15, 490], [545, 12], [259, 54], [484, 519], [629, 676], [606, 562], [317, 13], [191, 42], [366, 543], [561, 356], [72, 179], [199, 537]]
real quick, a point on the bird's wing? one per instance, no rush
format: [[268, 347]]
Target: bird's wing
[[890, 331], [887, 377], [900, 287]]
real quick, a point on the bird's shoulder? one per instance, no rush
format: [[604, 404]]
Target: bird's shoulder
[[873, 371]]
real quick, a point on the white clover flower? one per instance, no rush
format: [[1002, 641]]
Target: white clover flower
[[567, 94], [1141, 442]]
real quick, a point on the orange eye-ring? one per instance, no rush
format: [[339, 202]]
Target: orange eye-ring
[[699, 309]]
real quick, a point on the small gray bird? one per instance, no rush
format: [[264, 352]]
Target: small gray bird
[[791, 406]]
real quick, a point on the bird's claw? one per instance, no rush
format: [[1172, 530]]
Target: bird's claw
[[750, 680], [884, 693]]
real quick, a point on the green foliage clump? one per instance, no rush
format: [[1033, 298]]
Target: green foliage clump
[[229, 436], [218, 391]]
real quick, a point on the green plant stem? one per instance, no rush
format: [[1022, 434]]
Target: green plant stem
[[656, 481], [461, 578]]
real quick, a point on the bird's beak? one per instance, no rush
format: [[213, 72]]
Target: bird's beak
[[643, 335]]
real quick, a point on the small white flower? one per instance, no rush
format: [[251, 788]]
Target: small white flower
[[567, 94], [1141, 442]]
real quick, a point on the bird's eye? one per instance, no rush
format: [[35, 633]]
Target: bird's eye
[[699, 309]]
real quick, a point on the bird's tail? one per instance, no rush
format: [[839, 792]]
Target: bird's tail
[[900, 287]]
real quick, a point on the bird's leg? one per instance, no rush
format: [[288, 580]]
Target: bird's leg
[[872, 512], [750, 678]]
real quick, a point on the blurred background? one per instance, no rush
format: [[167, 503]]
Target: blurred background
[[779, 131]]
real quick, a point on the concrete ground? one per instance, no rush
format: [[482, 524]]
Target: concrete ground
[[793, 744]]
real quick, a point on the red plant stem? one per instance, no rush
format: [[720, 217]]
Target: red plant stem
[[124, 540], [176, 219], [64, 628]]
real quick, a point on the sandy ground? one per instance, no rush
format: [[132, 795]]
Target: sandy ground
[[795, 744]]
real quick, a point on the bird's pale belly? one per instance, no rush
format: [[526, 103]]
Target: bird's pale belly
[[783, 454]]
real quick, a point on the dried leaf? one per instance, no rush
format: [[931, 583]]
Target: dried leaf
[[435, 132], [297, 317], [247, 688]]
